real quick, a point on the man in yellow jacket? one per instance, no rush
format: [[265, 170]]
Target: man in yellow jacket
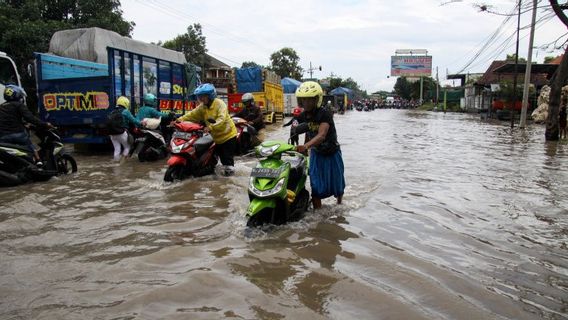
[[214, 113]]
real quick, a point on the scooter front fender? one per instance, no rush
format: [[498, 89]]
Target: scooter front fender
[[176, 160], [257, 205]]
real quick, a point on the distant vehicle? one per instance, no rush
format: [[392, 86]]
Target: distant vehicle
[[8, 73]]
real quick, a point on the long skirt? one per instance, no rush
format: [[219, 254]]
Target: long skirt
[[326, 174]]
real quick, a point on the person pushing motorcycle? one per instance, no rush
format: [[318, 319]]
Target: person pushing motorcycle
[[214, 113], [326, 162]]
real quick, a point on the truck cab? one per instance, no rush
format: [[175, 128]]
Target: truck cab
[[8, 73]]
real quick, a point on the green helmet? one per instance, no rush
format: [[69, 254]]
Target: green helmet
[[150, 100]]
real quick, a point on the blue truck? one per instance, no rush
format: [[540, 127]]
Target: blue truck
[[76, 95]]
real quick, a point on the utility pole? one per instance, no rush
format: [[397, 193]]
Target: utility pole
[[516, 68], [437, 89], [312, 69], [528, 71], [421, 90]]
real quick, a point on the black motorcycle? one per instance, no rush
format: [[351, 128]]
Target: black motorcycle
[[149, 145], [17, 165]]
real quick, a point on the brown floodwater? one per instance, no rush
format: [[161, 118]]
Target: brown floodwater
[[444, 217]]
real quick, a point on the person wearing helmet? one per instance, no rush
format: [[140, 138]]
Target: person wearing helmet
[[294, 122], [251, 112], [148, 109], [326, 163], [119, 121], [215, 114], [13, 115]]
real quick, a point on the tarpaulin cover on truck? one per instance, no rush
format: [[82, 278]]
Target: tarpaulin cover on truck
[[91, 44], [249, 79]]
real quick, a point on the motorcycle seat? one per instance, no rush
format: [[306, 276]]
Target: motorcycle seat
[[203, 143], [15, 146]]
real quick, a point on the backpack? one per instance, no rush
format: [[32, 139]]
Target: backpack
[[115, 121]]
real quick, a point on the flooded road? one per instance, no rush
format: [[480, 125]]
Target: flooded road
[[444, 217]]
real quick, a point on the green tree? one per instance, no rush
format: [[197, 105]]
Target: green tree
[[250, 64], [428, 89], [548, 59], [403, 88], [350, 84], [286, 63], [27, 26], [511, 58], [192, 44]]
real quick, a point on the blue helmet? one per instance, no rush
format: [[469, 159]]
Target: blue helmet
[[150, 100], [206, 89], [14, 93]]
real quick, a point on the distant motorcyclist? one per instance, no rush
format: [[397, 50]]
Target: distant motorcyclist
[[294, 122], [13, 116], [214, 113], [252, 114]]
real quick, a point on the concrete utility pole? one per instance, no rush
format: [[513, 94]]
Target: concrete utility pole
[[312, 69], [421, 90], [437, 89], [523, 123], [516, 68]]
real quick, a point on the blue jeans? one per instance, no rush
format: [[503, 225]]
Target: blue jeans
[[20, 138]]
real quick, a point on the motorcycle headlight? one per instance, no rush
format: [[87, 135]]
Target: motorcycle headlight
[[266, 193], [267, 151]]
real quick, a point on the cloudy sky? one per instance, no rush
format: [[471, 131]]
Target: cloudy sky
[[351, 38]]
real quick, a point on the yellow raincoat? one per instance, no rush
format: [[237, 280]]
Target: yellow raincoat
[[223, 129]]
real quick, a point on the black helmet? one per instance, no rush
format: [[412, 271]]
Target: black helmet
[[14, 93]]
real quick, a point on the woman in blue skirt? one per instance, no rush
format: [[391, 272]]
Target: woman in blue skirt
[[326, 163]]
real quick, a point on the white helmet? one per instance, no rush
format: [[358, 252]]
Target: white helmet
[[247, 97]]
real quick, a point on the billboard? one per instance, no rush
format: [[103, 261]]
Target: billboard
[[411, 66]]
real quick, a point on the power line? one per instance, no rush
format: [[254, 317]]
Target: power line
[[490, 41], [171, 11], [505, 44]]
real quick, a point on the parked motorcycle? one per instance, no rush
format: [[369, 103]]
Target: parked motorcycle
[[192, 152]]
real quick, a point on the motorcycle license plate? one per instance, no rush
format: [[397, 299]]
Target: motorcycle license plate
[[265, 173], [182, 135]]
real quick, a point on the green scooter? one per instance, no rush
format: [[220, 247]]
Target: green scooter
[[277, 187]]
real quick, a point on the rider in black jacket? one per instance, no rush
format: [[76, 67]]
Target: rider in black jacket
[[13, 115]]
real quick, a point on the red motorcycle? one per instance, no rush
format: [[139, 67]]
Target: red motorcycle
[[193, 152]]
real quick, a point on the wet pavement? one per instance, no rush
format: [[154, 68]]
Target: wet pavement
[[444, 217]]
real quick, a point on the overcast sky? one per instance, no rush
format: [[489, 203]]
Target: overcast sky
[[351, 38]]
